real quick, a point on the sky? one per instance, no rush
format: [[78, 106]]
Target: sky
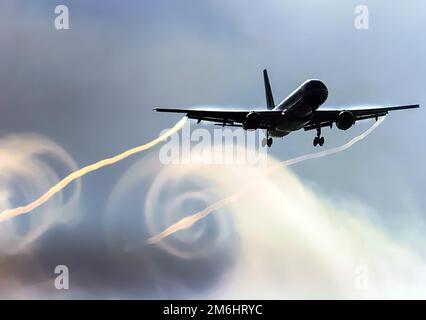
[[72, 97]]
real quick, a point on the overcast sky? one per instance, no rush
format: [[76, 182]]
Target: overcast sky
[[90, 91]]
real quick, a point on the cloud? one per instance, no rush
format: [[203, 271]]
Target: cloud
[[30, 165], [279, 239], [150, 196], [295, 243]]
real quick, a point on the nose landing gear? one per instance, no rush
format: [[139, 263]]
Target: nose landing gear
[[318, 140]]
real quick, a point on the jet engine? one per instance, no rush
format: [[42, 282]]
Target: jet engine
[[345, 120], [252, 121]]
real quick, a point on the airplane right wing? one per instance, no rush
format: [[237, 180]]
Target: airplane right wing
[[327, 117]]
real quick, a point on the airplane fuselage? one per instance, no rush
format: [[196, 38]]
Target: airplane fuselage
[[299, 106]]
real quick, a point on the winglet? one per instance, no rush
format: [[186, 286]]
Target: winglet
[[268, 92]]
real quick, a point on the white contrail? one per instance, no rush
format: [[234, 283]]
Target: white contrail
[[188, 221], [10, 213]]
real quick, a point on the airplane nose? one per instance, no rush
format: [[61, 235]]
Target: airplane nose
[[319, 96], [316, 91], [315, 84]]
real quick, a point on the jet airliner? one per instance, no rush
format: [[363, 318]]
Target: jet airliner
[[301, 109]]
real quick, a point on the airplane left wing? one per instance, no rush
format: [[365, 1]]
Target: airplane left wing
[[234, 118], [326, 117]]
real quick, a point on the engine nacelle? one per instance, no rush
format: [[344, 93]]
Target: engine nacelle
[[345, 120], [252, 121]]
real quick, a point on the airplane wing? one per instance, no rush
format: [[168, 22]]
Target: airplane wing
[[233, 118], [326, 117]]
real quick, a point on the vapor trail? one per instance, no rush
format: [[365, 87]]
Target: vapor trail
[[188, 221], [10, 213]]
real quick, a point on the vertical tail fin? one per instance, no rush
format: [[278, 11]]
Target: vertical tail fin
[[268, 92]]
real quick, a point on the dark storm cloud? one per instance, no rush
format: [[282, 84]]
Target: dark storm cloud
[[96, 272]]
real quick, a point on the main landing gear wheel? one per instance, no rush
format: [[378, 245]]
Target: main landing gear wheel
[[267, 141], [318, 140]]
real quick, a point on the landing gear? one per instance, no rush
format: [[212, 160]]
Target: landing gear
[[318, 140], [267, 141]]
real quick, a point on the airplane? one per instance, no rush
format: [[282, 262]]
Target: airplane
[[301, 109]]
